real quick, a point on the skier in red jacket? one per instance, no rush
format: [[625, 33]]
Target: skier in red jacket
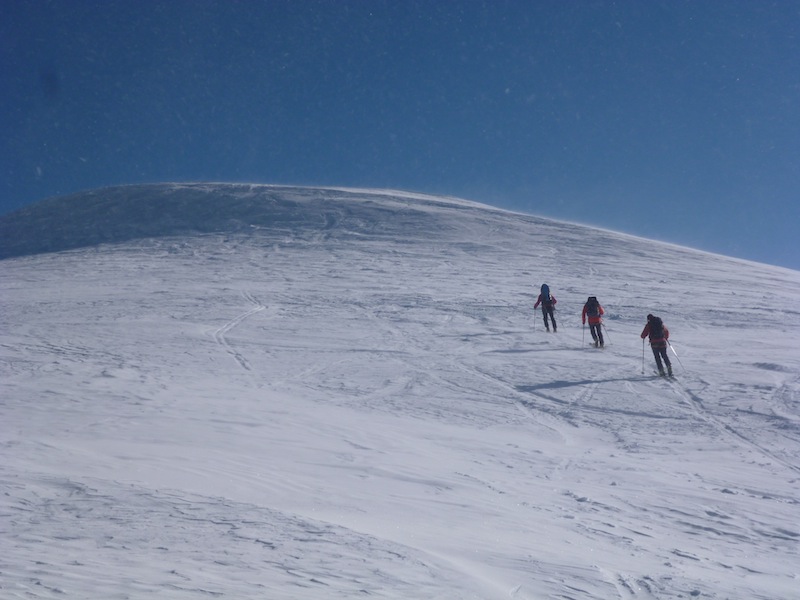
[[594, 312], [659, 334]]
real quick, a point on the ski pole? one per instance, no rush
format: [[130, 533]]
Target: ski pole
[[603, 325], [583, 337], [676, 355], [643, 342]]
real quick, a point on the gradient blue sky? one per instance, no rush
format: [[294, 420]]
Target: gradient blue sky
[[675, 120]]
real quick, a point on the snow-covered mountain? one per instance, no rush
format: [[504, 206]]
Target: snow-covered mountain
[[269, 392]]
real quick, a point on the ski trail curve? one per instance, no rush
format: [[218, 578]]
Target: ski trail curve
[[221, 333], [696, 403]]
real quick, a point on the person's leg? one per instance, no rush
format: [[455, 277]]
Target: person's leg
[[665, 356], [657, 355], [553, 318]]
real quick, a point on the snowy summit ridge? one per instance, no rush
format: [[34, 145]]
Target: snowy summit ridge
[[292, 393], [123, 213]]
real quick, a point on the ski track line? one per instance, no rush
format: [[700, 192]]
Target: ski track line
[[220, 334], [561, 415], [696, 402], [578, 402], [517, 397]]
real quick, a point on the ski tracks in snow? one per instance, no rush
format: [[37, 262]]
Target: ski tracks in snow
[[220, 335], [696, 403]]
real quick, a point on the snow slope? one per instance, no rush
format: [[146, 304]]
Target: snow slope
[[243, 391]]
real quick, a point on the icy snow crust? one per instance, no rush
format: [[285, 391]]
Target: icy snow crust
[[243, 391]]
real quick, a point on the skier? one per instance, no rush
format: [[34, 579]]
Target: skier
[[594, 311], [659, 334], [548, 303]]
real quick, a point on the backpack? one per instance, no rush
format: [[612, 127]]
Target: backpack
[[656, 328], [593, 307], [545, 293]]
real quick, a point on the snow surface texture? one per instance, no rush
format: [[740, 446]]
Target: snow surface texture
[[288, 393]]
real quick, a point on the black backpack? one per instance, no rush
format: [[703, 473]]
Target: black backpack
[[593, 307], [656, 328]]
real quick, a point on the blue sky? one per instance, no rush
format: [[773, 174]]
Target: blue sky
[[674, 120]]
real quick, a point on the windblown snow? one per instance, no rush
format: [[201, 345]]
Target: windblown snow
[[237, 391]]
